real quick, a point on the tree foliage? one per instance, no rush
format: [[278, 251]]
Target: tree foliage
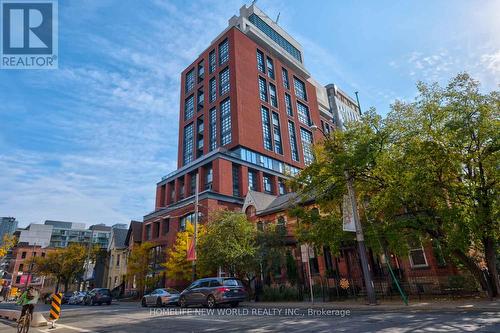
[[229, 243], [7, 243], [177, 265], [139, 265], [64, 264], [429, 170]]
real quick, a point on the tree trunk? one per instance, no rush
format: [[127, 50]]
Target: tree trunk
[[66, 285], [476, 271], [490, 255], [57, 285]]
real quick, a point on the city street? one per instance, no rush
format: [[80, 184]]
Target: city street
[[130, 317]]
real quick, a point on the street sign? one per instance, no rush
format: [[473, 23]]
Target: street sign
[[347, 215]]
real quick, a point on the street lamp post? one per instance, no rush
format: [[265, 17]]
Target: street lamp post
[[195, 236], [370, 290]]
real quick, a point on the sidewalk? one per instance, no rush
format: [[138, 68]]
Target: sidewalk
[[385, 305]]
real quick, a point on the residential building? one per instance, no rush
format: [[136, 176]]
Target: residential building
[[65, 233], [8, 226], [133, 238], [116, 269], [422, 271], [343, 106], [247, 105], [20, 270], [36, 234]]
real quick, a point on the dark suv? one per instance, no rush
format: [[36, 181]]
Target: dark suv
[[213, 291], [98, 296]]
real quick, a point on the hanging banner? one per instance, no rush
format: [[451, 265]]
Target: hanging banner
[[347, 215], [191, 252]]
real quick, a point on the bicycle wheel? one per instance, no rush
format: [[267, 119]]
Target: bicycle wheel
[[27, 323]]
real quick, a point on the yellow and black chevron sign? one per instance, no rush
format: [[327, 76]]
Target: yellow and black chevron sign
[[55, 306]]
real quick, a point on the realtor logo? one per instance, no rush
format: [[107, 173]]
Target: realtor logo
[[29, 34]]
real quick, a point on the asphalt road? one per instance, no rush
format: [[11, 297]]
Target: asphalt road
[[130, 317]]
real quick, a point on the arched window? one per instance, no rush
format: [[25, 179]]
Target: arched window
[[250, 211]]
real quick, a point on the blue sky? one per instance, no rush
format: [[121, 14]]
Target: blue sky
[[88, 142]]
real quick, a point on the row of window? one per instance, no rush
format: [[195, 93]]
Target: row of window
[[225, 131], [224, 87], [267, 183], [223, 49], [268, 67]]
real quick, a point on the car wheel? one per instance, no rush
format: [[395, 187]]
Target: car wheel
[[182, 302], [143, 302], [158, 302], [234, 304], [211, 302]]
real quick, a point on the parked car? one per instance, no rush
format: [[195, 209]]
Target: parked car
[[161, 297], [211, 292], [78, 297], [98, 296], [66, 296]]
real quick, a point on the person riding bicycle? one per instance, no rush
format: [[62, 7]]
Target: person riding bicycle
[[28, 299]]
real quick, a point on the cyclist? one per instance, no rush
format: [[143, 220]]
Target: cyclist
[[28, 299]]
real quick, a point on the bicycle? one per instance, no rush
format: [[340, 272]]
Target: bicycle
[[23, 324]]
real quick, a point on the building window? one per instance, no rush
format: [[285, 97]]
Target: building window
[[300, 89], [224, 81], [278, 147], [303, 112], [165, 228], [189, 107], [270, 67], [209, 176], [281, 224], [211, 62], [272, 95], [18, 279], [275, 36], [266, 128], [282, 187], [156, 229], [223, 52], [288, 104], [181, 189], [307, 141], [284, 76], [213, 129], [252, 180], [187, 152], [225, 122], [21, 267], [262, 89], [23, 255], [192, 183], [200, 99], [417, 255], [148, 231], [189, 81], [260, 62], [268, 186], [212, 90], [201, 71], [117, 263], [236, 180]]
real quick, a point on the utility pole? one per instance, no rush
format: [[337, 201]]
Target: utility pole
[[196, 199], [31, 266], [370, 291]]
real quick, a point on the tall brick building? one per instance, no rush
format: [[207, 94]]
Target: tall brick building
[[247, 104]]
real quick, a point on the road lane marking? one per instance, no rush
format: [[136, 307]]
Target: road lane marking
[[78, 329]]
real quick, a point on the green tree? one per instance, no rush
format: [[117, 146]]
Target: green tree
[[65, 264], [177, 265], [429, 170], [229, 243], [139, 266]]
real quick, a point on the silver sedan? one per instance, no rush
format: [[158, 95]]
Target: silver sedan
[[160, 297]]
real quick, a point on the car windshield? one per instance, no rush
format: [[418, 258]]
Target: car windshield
[[171, 291], [232, 283]]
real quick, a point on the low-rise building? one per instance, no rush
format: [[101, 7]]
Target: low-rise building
[[116, 267]]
